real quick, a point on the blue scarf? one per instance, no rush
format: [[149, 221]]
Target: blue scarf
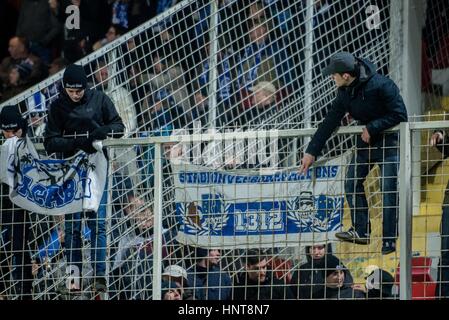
[[120, 14], [224, 78], [249, 78]]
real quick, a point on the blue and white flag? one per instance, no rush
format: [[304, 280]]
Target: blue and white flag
[[48, 186], [223, 209]]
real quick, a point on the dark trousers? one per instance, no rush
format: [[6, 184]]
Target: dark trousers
[[362, 161]]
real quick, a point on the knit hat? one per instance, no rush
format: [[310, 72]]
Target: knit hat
[[74, 77], [332, 263], [24, 70], [11, 119]]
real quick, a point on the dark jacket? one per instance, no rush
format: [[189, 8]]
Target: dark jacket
[[67, 118], [270, 289], [37, 23], [210, 284], [309, 281], [373, 100], [344, 293]]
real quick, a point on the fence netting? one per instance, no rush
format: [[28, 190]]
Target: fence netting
[[238, 221]]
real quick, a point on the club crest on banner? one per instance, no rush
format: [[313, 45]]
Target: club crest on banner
[[315, 213], [207, 217]]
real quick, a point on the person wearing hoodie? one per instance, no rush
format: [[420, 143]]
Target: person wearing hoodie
[[336, 288], [375, 102], [75, 120], [308, 281]]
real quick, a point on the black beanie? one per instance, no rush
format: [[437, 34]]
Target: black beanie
[[11, 119], [331, 264], [74, 77]]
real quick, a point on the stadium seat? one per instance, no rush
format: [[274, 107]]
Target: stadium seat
[[423, 285]]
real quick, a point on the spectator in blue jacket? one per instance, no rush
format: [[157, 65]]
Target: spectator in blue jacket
[[375, 102], [207, 278]]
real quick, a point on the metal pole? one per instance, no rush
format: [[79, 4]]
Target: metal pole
[[108, 219], [308, 92], [157, 236], [405, 213], [213, 64]]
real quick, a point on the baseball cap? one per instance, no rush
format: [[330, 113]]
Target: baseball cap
[[263, 85], [339, 63], [175, 271]]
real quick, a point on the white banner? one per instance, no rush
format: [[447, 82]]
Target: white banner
[[50, 186], [225, 209]]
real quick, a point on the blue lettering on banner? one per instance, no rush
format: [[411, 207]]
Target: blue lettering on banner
[[53, 196]]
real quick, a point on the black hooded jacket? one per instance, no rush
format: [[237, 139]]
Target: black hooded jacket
[[67, 118], [373, 100], [309, 281]]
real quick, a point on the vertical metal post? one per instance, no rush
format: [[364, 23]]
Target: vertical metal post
[[157, 236], [413, 20], [405, 212], [308, 92], [213, 72], [108, 218]]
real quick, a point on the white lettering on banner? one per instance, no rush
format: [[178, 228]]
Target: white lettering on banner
[[255, 220], [219, 208]]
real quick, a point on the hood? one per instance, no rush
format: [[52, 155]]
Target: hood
[[367, 70], [309, 257]]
